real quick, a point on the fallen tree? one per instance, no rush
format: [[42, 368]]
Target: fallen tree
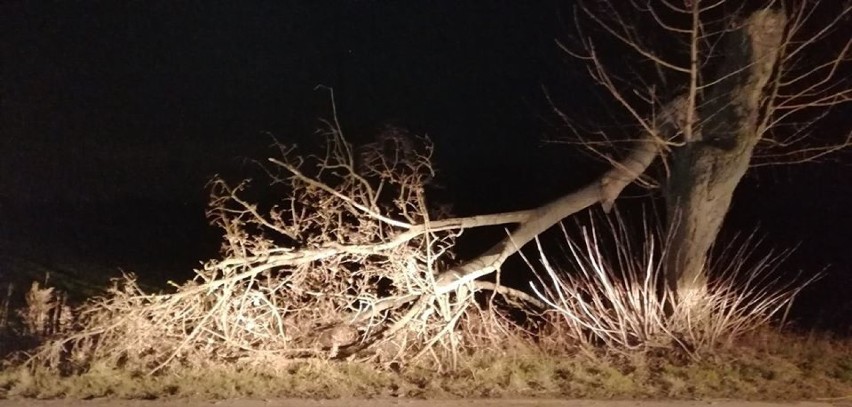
[[351, 263], [347, 264]]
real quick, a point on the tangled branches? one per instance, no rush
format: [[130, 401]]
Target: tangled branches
[[344, 265]]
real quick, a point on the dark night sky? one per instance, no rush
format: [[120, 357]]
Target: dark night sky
[[117, 99], [114, 114]]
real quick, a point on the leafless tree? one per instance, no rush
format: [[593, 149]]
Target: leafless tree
[[735, 87]]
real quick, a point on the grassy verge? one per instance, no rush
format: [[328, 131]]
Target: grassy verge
[[768, 366]]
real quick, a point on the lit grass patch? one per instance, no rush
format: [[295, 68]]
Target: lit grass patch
[[743, 371], [489, 376], [305, 380]]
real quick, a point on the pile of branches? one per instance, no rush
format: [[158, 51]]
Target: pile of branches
[[344, 265]]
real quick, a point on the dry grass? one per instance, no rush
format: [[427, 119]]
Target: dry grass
[[763, 366]]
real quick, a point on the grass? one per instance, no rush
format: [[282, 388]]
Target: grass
[[764, 366]]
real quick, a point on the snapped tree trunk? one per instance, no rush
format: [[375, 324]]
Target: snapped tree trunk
[[705, 170]]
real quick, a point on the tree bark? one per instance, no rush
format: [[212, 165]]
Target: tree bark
[[706, 170]]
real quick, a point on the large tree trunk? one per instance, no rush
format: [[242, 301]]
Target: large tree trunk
[[707, 168]]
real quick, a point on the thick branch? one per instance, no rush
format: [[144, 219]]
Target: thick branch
[[604, 190]]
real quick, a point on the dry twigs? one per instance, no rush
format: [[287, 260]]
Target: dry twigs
[[611, 293], [344, 264]]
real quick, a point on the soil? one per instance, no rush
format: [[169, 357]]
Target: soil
[[846, 402]]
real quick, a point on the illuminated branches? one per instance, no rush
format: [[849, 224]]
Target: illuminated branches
[[344, 262], [613, 293]]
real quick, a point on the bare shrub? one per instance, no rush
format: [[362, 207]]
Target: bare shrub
[[46, 312], [5, 302], [611, 293], [31, 318]]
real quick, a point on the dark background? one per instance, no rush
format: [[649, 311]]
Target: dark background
[[114, 115]]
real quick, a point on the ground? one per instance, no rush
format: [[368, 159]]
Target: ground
[[847, 402]]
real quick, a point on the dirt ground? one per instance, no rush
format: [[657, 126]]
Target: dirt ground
[[409, 403]]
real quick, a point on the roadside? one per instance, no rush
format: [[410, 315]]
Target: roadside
[[408, 403]]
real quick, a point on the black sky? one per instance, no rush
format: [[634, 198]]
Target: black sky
[[114, 114], [104, 100]]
